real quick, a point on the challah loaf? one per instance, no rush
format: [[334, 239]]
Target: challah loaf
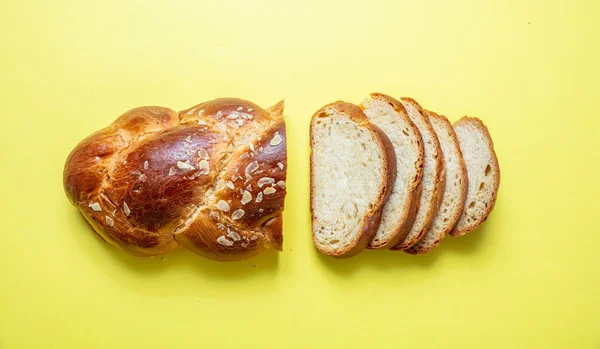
[[210, 178]]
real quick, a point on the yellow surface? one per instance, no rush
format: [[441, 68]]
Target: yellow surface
[[529, 278]]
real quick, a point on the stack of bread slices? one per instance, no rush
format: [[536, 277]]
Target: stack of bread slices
[[388, 174]]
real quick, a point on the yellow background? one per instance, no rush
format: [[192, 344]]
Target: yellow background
[[528, 278]]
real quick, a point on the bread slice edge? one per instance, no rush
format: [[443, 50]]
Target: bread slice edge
[[495, 167], [438, 181], [370, 222], [411, 205]]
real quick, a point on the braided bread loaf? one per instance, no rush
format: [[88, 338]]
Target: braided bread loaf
[[210, 178]]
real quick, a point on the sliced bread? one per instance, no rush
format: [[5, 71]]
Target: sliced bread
[[400, 211], [455, 189], [353, 170], [483, 171], [433, 175]]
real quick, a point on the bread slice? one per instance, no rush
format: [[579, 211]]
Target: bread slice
[[483, 171], [400, 211], [455, 189], [353, 169], [433, 175]]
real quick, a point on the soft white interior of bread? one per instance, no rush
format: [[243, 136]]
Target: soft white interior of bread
[[482, 170], [406, 146], [348, 176], [429, 170]]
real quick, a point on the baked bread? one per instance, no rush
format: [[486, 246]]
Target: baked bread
[[400, 211], [483, 171], [210, 178], [433, 175], [353, 169], [455, 189]]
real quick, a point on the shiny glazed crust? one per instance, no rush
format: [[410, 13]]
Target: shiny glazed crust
[[210, 178]]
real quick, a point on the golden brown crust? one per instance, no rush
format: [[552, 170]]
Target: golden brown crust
[[372, 219], [439, 177], [149, 182], [495, 168], [414, 191]]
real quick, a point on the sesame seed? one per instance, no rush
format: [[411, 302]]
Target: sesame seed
[[172, 171], [233, 115], [237, 214], [269, 191], [222, 240], [143, 177], [239, 108], [201, 122], [281, 184], [188, 139], [203, 167], [95, 207], [109, 221], [254, 237], [251, 146], [259, 197], [200, 112], [246, 197], [191, 111], [146, 164], [185, 166], [250, 109], [253, 166], [276, 139], [280, 165], [230, 185], [234, 235], [265, 180], [223, 206], [126, 209]]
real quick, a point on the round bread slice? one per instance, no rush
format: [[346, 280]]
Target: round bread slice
[[401, 209], [353, 170], [455, 188], [483, 171], [433, 175]]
